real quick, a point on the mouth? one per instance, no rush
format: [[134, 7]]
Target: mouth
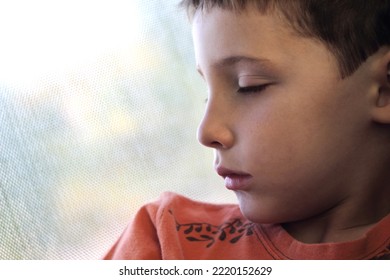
[[234, 180]]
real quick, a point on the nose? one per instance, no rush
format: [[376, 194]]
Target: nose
[[215, 129]]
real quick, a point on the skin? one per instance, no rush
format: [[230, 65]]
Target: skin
[[312, 142]]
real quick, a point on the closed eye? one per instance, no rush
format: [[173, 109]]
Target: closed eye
[[252, 89]]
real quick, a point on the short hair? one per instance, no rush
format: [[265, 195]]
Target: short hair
[[352, 30]]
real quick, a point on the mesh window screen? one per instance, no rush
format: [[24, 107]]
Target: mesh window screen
[[99, 104]]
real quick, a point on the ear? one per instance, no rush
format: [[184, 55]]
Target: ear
[[381, 112]]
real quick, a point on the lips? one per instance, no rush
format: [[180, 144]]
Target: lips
[[234, 180]]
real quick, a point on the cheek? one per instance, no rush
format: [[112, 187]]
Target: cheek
[[285, 146], [276, 141], [289, 174]]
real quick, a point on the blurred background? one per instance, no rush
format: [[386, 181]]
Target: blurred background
[[99, 105]]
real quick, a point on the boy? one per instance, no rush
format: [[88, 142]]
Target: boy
[[298, 115]]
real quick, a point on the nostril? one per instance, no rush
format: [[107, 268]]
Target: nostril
[[216, 144]]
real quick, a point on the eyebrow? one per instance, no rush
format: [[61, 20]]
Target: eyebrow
[[234, 60]]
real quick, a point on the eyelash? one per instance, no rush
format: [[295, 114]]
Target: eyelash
[[252, 89], [248, 90]]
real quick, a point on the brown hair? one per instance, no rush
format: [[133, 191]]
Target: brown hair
[[352, 30]]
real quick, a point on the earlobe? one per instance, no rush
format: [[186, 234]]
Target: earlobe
[[382, 108], [383, 94], [383, 99]]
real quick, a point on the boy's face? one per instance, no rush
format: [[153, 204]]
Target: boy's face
[[278, 115]]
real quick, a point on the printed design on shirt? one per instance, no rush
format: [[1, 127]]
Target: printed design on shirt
[[230, 231]]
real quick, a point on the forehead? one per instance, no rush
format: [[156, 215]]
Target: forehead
[[220, 35]]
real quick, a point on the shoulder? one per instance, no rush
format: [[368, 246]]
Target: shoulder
[[191, 229], [177, 227]]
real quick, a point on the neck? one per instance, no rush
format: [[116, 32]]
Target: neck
[[366, 202], [330, 226]]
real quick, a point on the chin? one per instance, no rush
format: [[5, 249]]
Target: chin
[[261, 211]]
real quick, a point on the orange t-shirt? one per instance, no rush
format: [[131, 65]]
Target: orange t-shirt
[[177, 228]]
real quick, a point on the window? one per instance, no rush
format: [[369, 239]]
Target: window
[[99, 104]]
